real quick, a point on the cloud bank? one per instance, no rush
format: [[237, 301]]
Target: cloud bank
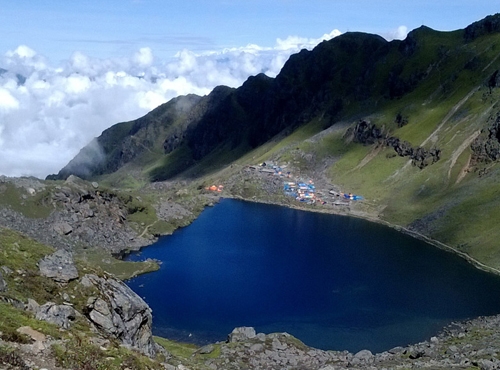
[[48, 113]]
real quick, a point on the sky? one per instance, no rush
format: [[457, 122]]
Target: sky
[[70, 69]]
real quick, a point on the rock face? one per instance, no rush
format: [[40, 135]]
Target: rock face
[[368, 133], [241, 334], [61, 315], [486, 147], [81, 214], [59, 266], [121, 314]]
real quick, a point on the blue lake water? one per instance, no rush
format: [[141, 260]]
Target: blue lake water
[[334, 282]]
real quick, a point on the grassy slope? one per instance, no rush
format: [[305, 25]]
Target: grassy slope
[[460, 212], [451, 106]]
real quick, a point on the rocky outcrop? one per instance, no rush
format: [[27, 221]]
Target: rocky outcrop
[[60, 315], [486, 147], [241, 334], [461, 345], [488, 25], [82, 213], [120, 313], [368, 133], [59, 266], [419, 156], [245, 349]]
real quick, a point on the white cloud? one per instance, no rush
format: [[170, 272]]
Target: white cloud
[[295, 42], [397, 34], [144, 57], [7, 101], [47, 114], [22, 51]]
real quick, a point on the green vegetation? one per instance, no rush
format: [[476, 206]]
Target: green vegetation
[[12, 318], [20, 200], [79, 353], [177, 349], [188, 354], [170, 164], [123, 270]]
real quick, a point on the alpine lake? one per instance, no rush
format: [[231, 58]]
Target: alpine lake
[[334, 282]]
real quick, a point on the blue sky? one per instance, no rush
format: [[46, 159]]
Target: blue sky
[[111, 28], [89, 64]]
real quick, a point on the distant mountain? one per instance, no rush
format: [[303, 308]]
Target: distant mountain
[[412, 125], [332, 78]]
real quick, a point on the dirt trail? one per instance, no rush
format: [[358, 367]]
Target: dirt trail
[[450, 114], [147, 228], [460, 149]]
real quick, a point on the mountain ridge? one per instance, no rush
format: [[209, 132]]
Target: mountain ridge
[[430, 100]]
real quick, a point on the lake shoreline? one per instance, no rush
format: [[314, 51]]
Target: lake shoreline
[[252, 215], [372, 218]]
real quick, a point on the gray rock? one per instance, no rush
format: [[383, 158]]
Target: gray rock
[[121, 313], [278, 346], [396, 350], [59, 266], [32, 305], [3, 284], [61, 315], [6, 270], [257, 347], [95, 185], [63, 228], [362, 357], [487, 365], [261, 337], [209, 348], [85, 282], [241, 334]]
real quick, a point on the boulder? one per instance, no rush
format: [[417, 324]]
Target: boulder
[[205, 350], [34, 334], [32, 306], [59, 266], [61, 315], [362, 357], [63, 228], [121, 314], [241, 334], [3, 284]]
